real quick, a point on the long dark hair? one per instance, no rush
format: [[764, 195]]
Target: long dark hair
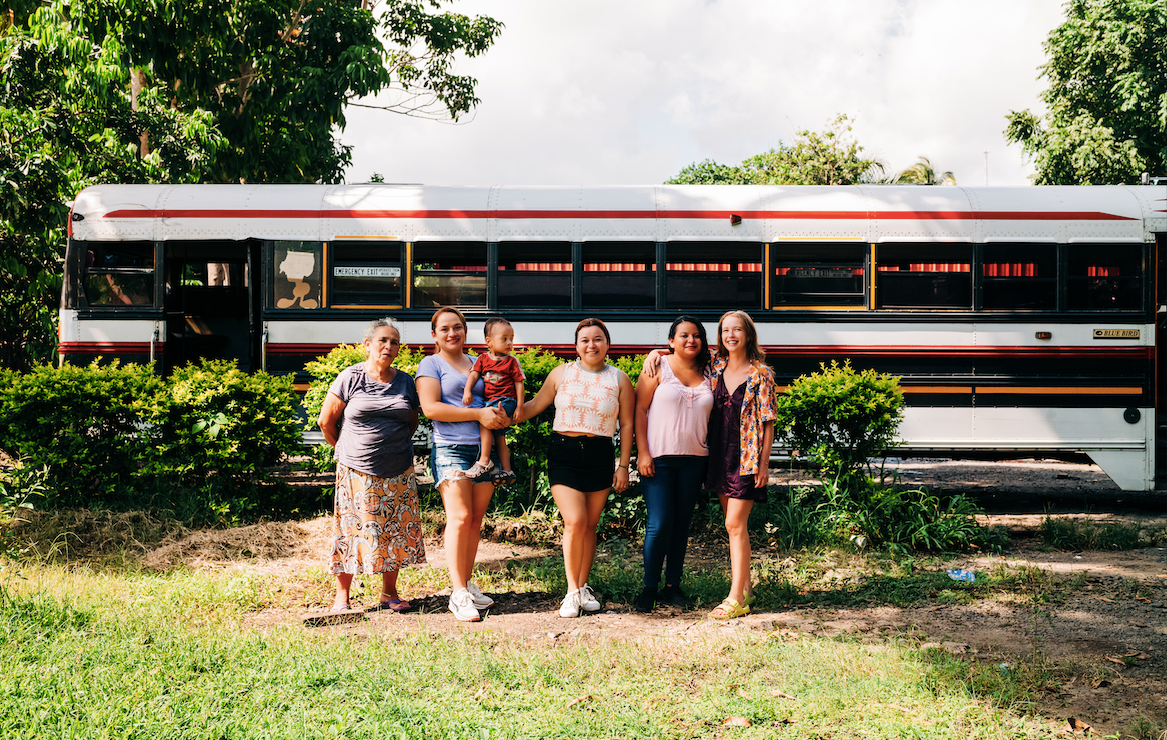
[[703, 355]]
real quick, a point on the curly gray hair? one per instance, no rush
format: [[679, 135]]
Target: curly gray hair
[[376, 324]]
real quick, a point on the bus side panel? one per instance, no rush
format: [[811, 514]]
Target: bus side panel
[[1118, 447]]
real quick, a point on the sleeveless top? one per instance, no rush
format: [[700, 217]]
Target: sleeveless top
[[587, 402], [678, 418]]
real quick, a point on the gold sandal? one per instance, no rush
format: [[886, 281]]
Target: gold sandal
[[729, 609]]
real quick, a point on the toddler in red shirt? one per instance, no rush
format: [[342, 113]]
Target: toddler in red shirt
[[504, 379]]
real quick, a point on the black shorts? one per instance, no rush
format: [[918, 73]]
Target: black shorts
[[583, 463]]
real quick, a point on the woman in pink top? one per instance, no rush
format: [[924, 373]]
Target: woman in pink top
[[591, 399], [672, 418]]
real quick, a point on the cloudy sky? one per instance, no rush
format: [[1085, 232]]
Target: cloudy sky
[[630, 91]]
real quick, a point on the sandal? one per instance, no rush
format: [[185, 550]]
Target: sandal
[[503, 477], [478, 470], [750, 598], [395, 604], [729, 609]]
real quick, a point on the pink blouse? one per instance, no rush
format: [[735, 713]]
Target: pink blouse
[[678, 417]]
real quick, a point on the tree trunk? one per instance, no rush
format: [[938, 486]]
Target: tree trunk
[[137, 84]]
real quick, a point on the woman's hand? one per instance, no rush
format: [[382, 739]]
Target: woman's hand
[[762, 477], [331, 412], [620, 479], [493, 417], [645, 466], [652, 362]]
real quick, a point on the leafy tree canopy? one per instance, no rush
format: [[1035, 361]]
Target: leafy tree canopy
[[192, 91], [1107, 96], [832, 157]]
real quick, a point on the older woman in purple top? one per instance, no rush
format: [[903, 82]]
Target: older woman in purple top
[[369, 417]]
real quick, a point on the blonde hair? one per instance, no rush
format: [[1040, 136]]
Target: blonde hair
[[753, 349]]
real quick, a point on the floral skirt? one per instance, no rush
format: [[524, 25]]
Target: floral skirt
[[376, 523]]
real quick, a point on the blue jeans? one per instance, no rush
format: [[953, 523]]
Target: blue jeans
[[671, 498]]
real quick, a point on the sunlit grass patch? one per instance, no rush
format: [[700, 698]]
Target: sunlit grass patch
[[91, 654]]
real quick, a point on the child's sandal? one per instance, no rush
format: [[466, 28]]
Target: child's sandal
[[478, 469]]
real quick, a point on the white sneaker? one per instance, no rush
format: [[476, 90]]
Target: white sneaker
[[570, 607], [462, 604], [481, 600], [588, 600]]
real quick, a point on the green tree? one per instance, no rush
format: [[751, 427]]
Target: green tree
[[206, 90], [66, 122], [277, 74], [1107, 96], [831, 157]]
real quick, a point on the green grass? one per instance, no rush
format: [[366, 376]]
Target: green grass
[[1070, 533], [130, 654]]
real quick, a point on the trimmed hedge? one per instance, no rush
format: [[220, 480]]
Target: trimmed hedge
[[119, 436]]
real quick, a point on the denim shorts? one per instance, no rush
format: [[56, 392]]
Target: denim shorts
[[446, 460], [506, 404]]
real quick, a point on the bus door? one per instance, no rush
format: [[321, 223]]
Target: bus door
[[211, 300]]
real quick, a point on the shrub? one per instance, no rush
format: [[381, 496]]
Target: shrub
[[18, 486], [903, 519], [528, 441], [121, 437], [630, 364], [86, 424], [221, 426], [841, 418]]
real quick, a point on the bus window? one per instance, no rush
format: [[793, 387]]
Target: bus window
[[713, 275], [119, 274], [1105, 276], [924, 276], [619, 275], [824, 275], [449, 274], [365, 273], [534, 275], [298, 269], [1019, 277]]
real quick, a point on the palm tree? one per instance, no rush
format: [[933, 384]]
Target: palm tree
[[922, 173]]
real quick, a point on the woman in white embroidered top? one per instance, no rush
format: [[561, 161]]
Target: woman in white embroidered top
[[591, 399]]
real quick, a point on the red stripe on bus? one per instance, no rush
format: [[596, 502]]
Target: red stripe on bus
[[705, 215], [1136, 353], [137, 348]]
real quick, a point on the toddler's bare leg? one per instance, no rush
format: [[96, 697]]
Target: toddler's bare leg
[[504, 453], [485, 439]]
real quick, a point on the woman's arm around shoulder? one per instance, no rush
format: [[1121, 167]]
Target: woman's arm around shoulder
[[645, 390], [543, 398]]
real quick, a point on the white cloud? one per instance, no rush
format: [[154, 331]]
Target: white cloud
[[630, 92]]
